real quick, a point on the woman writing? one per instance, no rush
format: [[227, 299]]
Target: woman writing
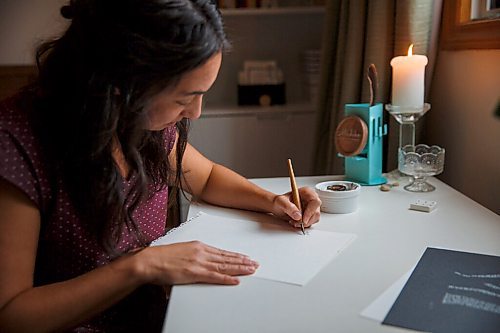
[[87, 156]]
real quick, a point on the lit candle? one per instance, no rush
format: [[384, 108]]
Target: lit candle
[[408, 73]]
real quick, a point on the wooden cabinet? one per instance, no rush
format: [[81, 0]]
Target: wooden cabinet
[[257, 142]]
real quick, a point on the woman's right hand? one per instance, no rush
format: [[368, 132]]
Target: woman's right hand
[[192, 262]]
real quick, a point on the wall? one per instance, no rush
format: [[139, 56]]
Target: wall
[[465, 93], [23, 24], [302, 30]]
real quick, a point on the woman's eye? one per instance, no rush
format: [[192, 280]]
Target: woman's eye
[[185, 102]]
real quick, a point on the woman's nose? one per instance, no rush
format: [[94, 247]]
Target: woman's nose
[[193, 110]]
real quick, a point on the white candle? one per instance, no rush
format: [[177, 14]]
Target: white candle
[[408, 74]]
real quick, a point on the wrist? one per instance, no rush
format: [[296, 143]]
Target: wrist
[[133, 266], [272, 199]]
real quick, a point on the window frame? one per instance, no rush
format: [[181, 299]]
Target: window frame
[[460, 32]]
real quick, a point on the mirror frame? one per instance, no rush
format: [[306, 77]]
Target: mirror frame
[[458, 31]]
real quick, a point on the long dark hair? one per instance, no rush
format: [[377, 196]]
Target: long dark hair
[[93, 85]]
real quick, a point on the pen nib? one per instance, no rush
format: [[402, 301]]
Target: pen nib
[[302, 228]]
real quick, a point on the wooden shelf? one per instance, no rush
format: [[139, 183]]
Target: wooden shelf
[[273, 11], [259, 111]]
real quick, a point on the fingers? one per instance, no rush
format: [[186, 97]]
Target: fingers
[[287, 209], [233, 269], [219, 266], [219, 278], [295, 213], [192, 262], [227, 261], [311, 205], [222, 267], [224, 253], [311, 218]]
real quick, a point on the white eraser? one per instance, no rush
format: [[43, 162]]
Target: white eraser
[[423, 205]]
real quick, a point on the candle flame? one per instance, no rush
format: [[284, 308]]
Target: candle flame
[[410, 50]]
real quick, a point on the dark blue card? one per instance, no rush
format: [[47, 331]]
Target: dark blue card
[[450, 291]]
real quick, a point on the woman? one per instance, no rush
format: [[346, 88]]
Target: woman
[[86, 157]]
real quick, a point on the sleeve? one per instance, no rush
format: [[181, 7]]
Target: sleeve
[[17, 168], [169, 135]]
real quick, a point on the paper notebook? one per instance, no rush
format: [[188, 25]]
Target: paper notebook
[[447, 291], [284, 254], [450, 291]]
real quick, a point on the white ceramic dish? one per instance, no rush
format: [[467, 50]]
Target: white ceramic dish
[[338, 196]]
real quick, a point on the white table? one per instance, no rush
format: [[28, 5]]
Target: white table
[[391, 239]]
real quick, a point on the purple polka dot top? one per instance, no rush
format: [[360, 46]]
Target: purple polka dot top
[[65, 248]]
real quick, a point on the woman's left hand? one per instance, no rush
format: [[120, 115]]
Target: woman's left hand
[[284, 208]]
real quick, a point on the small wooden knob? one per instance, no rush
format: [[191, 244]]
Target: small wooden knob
[[265, 100]]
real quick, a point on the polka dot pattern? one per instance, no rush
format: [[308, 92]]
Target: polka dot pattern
[[66, 248]]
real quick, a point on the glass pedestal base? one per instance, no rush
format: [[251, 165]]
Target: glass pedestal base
[[419, 184]]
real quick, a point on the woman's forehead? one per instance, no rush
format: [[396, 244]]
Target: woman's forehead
[[200, 79]]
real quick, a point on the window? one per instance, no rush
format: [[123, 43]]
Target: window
[[471, 24]]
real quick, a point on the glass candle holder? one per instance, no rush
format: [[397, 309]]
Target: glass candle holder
[[407, 117]]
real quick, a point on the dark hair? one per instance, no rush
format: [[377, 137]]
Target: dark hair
[[93, 85]]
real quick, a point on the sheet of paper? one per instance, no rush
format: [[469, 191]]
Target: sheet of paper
[[450, 291], [284, 254], [448, 299], [380, 307]]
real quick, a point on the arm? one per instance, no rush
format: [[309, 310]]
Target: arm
[[24, 308], [221, 186]]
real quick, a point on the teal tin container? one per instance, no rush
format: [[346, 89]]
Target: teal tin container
[[366, 167]]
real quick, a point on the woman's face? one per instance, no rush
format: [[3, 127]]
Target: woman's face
[[183, 100]]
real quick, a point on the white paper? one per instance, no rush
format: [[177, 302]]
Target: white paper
[[283, 253], [380, 307]]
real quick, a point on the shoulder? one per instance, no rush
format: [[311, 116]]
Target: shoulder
[[13, 114], [16, 127], [20, 153], [16, 123]]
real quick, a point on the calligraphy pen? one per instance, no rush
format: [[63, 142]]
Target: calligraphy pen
[[295, 193]]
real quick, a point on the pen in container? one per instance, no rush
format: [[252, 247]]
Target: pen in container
[[295, 193]]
